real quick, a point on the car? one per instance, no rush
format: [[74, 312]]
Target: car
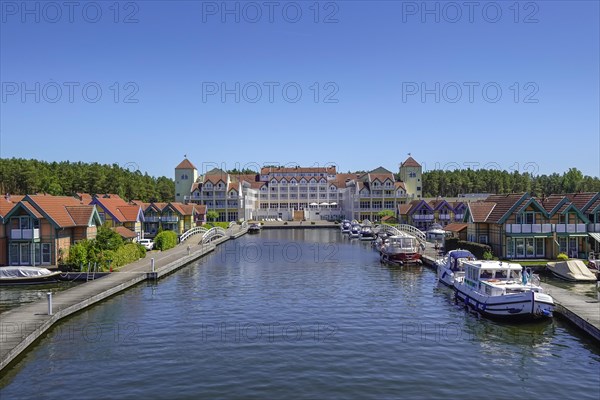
[[147, 243]]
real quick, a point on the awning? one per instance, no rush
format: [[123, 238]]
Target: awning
[[325, 204], [595, 235], [333, 204], [313, 204]]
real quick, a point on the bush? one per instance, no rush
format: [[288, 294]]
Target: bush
[[78, 255], [487, 255], [478, 249], [165, 240], [562, 257], [312, 222]]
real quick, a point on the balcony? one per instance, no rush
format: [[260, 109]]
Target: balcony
[[458, 217], [24, 234], [170, 218], [528, 228], [594, 227], [153, 218], [570, 228], [422, 217], [444, 217]]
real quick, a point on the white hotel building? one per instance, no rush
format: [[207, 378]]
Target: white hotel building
[[295, 193]]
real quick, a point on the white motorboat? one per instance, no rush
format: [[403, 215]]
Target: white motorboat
[[450, 267], [354, 231], [366, 233], [17, 275], [498, 289], [401, 250], [345, 226], [572, 270]]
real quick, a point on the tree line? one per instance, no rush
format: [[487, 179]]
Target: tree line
[[21, 176], [452, 183]]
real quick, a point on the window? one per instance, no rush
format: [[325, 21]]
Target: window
[[412, 174], [418, 187], [520, 247], [510, 248], [46, 253], [539, 247], [483, 239]]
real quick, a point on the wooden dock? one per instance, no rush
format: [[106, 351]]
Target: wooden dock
[[22, 326], [582, 311]]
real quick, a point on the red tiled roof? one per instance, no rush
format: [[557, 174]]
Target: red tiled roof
[[455, 227], [481, 210], [504, 202], [403, 209], [7, 203], [185, 164], [579, 200], [125, 232], [400, 185], [81, 215], [32, 210], [201, 209], [85, 197], [410, 162], [56, 207], [300, 170], [550, 202], [120, 209]]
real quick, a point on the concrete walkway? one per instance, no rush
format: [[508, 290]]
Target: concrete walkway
[[22, 326]]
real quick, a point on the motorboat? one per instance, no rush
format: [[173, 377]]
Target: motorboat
[[355, 231], [450, 267], [502, 290], [19, 275], [345, 227], [401, 250], [254, 228], [435, 233], [572, 270], [379, 240], [594, 262], [366, 233]]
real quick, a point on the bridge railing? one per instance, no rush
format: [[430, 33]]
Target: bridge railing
[[213, 233], [191, 232]]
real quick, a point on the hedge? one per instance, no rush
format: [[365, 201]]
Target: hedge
[[165, 240], [478, 249]]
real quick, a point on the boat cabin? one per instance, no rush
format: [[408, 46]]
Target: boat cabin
[[494, 278]]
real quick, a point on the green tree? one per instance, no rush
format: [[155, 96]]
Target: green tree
[[212, 215], [107, 239]]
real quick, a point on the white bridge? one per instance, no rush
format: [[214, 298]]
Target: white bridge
[[207, 235], [401, 230]]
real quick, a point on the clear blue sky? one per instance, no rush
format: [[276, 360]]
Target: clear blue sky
[[374, 58]]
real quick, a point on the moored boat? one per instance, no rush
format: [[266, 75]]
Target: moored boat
[[366, 233], [254, 228], [571, 270], [345, 226], [355, 231], [401, 250], [503, 290], [450, 267], [20, 275]]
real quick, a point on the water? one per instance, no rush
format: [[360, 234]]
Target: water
[[303, 315], [14, 296]]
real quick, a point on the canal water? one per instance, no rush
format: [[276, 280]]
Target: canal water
[[300, 314]]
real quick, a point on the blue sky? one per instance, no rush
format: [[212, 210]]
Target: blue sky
[[498, 85]]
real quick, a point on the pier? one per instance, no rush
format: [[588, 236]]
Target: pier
[[22, 326]]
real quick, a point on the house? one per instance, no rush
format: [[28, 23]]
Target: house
[[174, 216], [457, 230], [417, 213], [523, 226], [42, 228], [7, 203], [116, 212]]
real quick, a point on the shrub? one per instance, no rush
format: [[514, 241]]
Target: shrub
[[165, 240], [562, 257], [312, 222], [78, 255], [487, 255]]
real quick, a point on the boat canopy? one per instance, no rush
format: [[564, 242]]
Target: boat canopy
[[461, 254], [23, 272]]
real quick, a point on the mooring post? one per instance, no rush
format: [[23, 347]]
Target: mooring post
[[152, 263], [49, 296]]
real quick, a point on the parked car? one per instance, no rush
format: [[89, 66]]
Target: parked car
[[147, 243]]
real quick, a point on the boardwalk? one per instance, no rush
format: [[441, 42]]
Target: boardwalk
[[21, 326], [580, 310]]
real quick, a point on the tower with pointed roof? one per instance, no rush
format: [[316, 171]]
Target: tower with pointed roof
[[185, 176], [411, 174]]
